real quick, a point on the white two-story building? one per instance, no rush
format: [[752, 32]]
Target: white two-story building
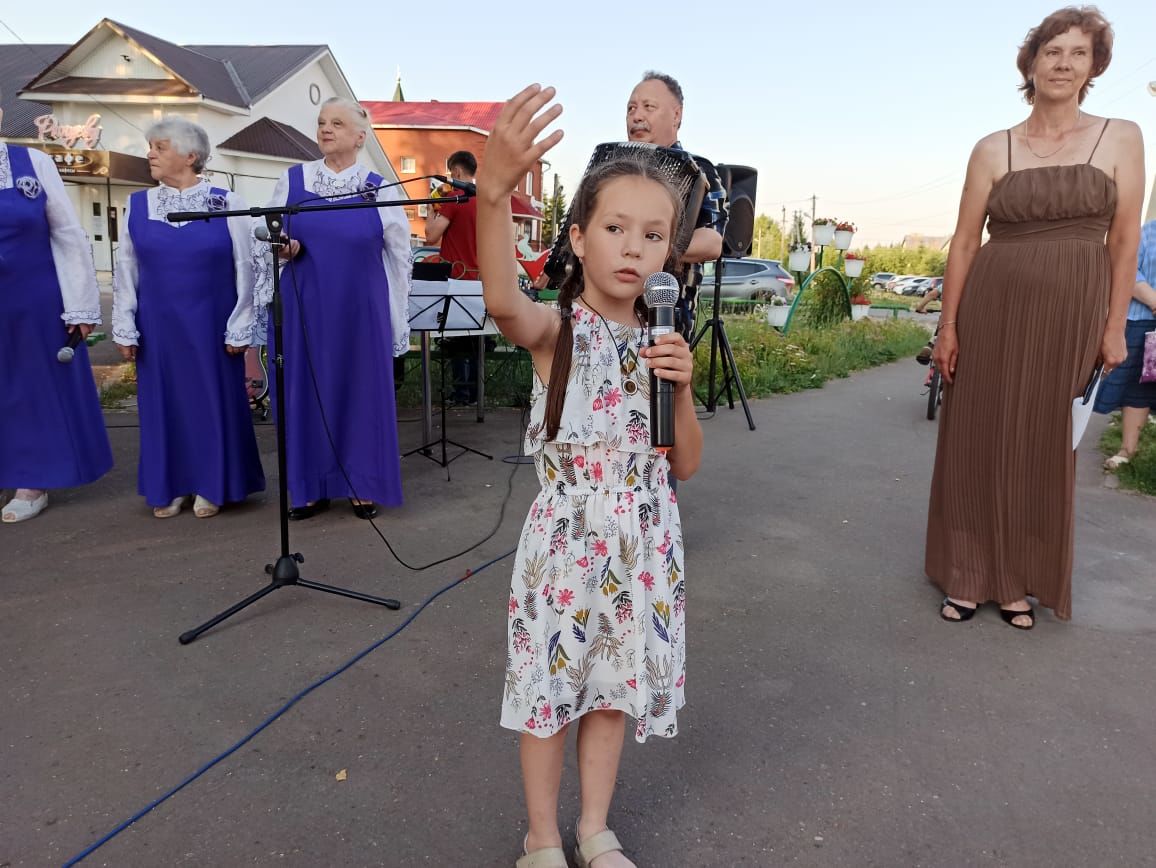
[[89, 104]]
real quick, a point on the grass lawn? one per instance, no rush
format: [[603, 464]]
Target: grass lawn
[[1140, 472], [771, 362]]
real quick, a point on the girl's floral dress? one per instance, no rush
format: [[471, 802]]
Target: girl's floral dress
[[598, 594]]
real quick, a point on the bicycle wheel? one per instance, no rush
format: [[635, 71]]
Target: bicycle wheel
[[934, 393]]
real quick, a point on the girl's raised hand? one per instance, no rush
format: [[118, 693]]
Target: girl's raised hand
[[511, 151]]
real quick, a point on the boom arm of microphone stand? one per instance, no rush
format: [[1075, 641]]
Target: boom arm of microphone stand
[[186, 216]]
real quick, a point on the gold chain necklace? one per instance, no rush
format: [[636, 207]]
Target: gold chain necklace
[[1028, 141]]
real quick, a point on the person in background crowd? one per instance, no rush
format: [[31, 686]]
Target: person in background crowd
[[453, 225], [1122, 389], [183, 311], [51, 429], [345, 291], [654, 115], [1025, 318]]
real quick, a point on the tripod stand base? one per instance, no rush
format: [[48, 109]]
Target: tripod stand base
[[284, 573], [427, 452], [730, 371]]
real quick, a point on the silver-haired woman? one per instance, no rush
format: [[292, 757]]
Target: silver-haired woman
[[183, 309], [345, 294]]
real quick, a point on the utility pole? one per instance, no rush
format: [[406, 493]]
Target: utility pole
[[783, 235]]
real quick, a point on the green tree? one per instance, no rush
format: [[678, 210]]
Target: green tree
[[768, 239], [555, 214]]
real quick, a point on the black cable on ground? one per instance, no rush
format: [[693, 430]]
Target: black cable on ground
[[88, 851]]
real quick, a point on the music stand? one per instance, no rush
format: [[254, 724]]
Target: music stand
[[435, 306]]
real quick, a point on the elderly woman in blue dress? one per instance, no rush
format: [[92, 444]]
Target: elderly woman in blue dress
[[345, 291], [183, 310], [51, 429]]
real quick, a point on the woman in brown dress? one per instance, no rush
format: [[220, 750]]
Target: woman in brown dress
[[1025, 319]]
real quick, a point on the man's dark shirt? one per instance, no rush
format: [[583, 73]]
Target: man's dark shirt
[[711, 215]]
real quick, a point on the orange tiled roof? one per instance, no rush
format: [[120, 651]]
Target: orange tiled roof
[[480, 115]]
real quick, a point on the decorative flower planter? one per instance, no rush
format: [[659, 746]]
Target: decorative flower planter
[[800, 260], [843, 238], [822, 233], [777, 316], [860, 311], [852, 267]]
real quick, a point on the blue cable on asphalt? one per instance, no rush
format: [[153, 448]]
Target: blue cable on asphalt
[[84, 854]]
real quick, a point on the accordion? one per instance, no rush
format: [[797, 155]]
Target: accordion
[[678, 168]]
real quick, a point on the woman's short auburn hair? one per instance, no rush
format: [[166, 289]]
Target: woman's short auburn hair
[[1090, 20]]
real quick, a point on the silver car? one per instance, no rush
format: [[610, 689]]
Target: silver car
[[749, 279]]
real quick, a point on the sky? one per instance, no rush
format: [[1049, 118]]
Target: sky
[[871, 108]]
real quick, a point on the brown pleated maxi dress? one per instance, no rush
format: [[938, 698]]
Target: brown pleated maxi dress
[[1030, 324]]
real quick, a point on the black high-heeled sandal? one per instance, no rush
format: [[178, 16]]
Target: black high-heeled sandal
[[965, 613], [1009, 616]]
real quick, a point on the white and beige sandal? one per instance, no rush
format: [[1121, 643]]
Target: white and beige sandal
[[594, 846], [1117, 461], [19, 509], [203, 508], [547, 857], [172, 509]]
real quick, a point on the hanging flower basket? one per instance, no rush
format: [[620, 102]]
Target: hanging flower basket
[[844, 232], [800, 258], [852, 266], [777, 316], [822, 231]]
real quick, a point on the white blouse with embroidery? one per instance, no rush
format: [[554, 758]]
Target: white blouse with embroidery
[[71, 251], [396, 254], [162, 201]]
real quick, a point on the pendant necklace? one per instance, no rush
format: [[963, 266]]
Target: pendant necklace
[[1028, 141], [629, 386]]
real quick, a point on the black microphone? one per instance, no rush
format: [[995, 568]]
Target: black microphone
[[467, 187], [660, 293], [65, 353]]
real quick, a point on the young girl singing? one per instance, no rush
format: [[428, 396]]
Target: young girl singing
[[596, 623]]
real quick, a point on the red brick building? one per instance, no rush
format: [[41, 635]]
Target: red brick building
[[419, 136]]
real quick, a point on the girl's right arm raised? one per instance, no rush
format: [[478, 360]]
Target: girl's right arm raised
[[511, 152]]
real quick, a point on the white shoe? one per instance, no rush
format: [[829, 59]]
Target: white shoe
[[203, 508], [22, 510], [172, 509], [1117, 461]]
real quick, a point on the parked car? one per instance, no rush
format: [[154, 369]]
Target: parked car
[[879, 279], [896, 280], [749, 279], [913, 286]]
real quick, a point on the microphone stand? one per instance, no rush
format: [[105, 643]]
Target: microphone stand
[[284, 572]]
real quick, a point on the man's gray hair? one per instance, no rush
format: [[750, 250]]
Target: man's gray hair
[[184, 137], [671, 83], [355, 109]]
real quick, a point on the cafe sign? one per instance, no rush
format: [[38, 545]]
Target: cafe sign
[[78, 162], [69, 135]]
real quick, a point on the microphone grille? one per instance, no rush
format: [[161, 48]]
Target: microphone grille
[[661, 289]]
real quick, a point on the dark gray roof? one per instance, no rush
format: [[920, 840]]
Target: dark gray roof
[[19, 64], [273, 139], [236, 75], [262, 67], [212, 77]]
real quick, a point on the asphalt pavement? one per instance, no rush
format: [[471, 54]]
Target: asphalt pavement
[[832, 718]]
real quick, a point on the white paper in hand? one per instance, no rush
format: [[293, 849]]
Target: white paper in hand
[[1082, 406]]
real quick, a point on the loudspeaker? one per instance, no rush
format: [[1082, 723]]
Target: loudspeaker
[[740, 183]]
